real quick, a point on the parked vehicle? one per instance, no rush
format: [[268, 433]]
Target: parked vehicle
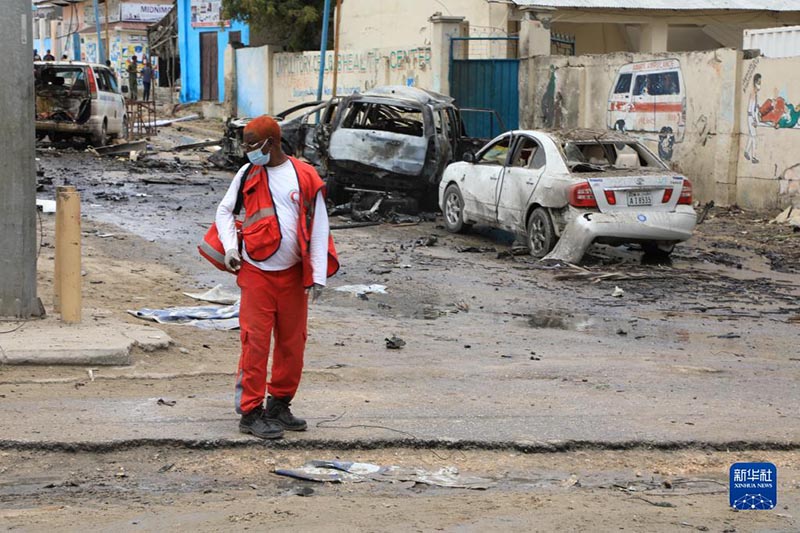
[[649, 97], [78, 99], [397, 139], [597, 186]]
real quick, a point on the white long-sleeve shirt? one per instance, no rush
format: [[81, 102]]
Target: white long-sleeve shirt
[[283, 186]]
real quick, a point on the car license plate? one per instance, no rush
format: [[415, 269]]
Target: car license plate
[[638, 199]]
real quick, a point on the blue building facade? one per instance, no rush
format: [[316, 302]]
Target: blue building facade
[[202, 41]]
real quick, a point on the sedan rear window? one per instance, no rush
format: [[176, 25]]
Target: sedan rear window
[[383, 117], [592, 156]]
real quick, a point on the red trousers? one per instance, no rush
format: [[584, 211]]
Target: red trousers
[[273, 303]]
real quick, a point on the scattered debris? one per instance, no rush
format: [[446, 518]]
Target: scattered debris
[[168, 122], [46, 206], [790, 216], [706, 209], [617, 292], [341, 471], [475, 249], [167, 403], [217, 295], [430, 240], [726, 336], [202, 317], [121, 149], [395, 342], [359, 290]]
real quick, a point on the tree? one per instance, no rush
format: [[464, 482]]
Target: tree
[[295, 25]]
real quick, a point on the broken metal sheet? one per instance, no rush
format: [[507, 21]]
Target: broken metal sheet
[[341, 471], [385, 150], [167, 122], [202, 317], [217, 295], [202, 144], [790, 216], [360, 290], [125, 148]]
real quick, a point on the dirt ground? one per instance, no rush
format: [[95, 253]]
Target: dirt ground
[[731, 291]]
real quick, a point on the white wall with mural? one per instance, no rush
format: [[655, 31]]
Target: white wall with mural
[[682, 106], [769, 161]]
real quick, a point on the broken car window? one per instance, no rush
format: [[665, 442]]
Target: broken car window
[[62, 80], [594, 156], [528, 154], [382, 117], [497, 153]]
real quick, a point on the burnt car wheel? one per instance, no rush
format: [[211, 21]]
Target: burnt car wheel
[[102, 137], [541, 233], [454, 210]]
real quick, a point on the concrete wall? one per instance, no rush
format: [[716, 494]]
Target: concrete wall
[[387, 24], [768, 158], [295, 76], [575, 91], [189, 45]]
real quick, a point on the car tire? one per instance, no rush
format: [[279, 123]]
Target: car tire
[[453, 209], [541, 233], [335, 193], [101, 138]]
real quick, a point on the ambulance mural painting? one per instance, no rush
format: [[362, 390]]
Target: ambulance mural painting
[[648, 99]]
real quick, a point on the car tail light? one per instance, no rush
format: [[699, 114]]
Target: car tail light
[[667, 195], [611, 198], [581, 195], [686, 193], [92, 83]]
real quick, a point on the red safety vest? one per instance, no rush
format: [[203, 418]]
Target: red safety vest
[[260, 229]]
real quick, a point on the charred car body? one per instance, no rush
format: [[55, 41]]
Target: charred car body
[[78, 99], [397, 139]]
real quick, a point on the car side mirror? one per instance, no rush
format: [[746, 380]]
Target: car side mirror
[[468, 157], [124, 89]]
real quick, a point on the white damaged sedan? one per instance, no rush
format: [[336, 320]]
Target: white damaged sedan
[[566, 190]]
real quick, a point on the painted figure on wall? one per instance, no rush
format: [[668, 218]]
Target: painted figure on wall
[[753, 118], [553, 103]]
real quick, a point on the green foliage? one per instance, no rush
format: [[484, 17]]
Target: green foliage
[[295, 25]]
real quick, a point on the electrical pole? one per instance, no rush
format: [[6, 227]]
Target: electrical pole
[[107, 47], [336, 45], [100, 50], [326, 19], [17, 176]]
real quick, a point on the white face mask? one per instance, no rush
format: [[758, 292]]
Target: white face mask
[[256, 157]]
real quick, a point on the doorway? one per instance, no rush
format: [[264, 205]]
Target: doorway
[[209, 66]]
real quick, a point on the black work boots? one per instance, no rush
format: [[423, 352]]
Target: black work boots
[[278, 412], [255, 423]]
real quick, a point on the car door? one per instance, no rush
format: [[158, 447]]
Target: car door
[[483, 180], [522, 173]]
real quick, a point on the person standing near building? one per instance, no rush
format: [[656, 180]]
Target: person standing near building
[[287, 252], [49, 57], [147, 78], [133, 84], [36, 56]]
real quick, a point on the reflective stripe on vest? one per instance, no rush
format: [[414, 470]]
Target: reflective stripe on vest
[[212, 253], [258, 215]]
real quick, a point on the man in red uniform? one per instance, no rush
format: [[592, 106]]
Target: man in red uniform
[[286, 252]]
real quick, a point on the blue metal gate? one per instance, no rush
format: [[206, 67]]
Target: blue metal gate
[[485, 83]]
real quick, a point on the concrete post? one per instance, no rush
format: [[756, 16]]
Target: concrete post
[[653, 37], [444, 29], [229, 71], [534, 32], [17, 176], [55, 44]]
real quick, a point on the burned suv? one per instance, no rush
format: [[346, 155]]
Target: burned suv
[[78, 99], [397, 139]]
